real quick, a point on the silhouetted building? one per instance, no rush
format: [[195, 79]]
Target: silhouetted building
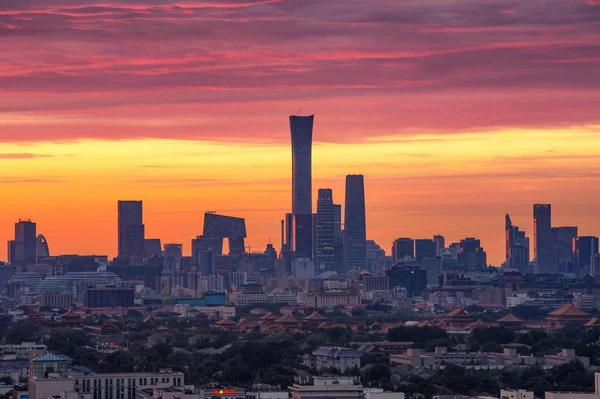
[[471, 255], [219, 227], [413, 279], [424, 248], [23, 249], [562, 249], [149, 274], [440, 244], [517, 247], [131, 229], [584, 248], [152, 247], [173, 254], [109, 297], [338, 237], [542, 238], [325, 231], [355, 230], [41, 247], [301, 129], [402, 248]]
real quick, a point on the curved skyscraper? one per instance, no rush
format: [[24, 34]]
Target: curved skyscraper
[[301, 128], [42, 249]]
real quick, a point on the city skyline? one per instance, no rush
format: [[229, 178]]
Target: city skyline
[[96, 110]]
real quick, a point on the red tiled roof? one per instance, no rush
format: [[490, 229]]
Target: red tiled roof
[[569, 310], [510, 318]]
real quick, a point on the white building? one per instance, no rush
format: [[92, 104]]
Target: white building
[[378, 393], [328, 388], [515, 394], [24, 350]]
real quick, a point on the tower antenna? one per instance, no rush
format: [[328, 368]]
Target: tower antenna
[[298, 113]]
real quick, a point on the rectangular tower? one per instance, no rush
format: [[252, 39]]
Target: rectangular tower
[[325, 231], [301, 129], [402, 248], [542, 238], [130, 229], [22, 249], [355, 230]]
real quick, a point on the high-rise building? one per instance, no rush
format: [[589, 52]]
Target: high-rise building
[[173, 254], [402, 248], [562, 248], [471, 255], [41, 247], [22, 250], [440, 244], [131, 229], [424, 248], [411, 278], [584, 249], [338, 237], [355, 230], [542, 238], [301, 128], [325, 231], [517, 247]]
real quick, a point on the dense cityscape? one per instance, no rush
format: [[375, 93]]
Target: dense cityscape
[[325, 314]]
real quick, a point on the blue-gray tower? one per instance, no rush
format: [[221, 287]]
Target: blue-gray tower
[[301, 128], [355, 230]]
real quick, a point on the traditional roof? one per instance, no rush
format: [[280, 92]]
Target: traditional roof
[[287, 319], [269, 316], [478, 323], [226, 322], [458, 312], [595, 322], [568, 310], [52, 357], [315, 316], [510, 319]]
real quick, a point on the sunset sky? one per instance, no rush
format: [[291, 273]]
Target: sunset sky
[[456, 112]]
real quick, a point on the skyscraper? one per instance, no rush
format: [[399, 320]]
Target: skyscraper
[[517, 247], [23, 249], [440, 244], [338, 238], [402, 248], [584, 249], [301, 128], [542, 238], [562, 249], [131, 229], [355, 230], [424, 248], [325, 231]]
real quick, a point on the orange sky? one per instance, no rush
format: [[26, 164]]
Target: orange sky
[[455, 112]]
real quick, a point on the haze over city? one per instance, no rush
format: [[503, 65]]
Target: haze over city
[[455, 115]]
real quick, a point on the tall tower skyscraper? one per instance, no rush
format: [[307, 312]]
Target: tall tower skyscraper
[[301, 129], [424, 248], [338, 237], [562, 249], [517, 247], [542, 238], [403, 247], [23, 249], [584, 249], [355, 230], [325, 231], [440, 244], [131, 229]]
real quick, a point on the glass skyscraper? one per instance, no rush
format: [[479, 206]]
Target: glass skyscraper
[[355, 230], [301, 242], [542, 238], [325, 231], [131, 229]]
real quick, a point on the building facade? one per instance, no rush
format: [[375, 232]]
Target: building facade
[[355, 230], [542, 238], [325, 232], [130, 229]]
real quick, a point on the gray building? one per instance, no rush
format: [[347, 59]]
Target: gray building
[[562, 248], [300, 225], [517, 247], [131, 229], [333, 358], [325, 231], [542, 238], [402, 248], [22, 250], [355, 230], [584, 249], [424, 248]]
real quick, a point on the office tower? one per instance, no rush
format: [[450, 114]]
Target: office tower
[[338, 237], [411, 278], [562, 249], [41, 247], [131, 229], [219, 227], [152, 247], [471, 255], [204, 253], [325, 231], [355, 230], [402, 248], [173, 254], [595, 268], [22, 250], [440, 244], [584, 249], [424, 248], [542, 238], [517, 247], [301, 129]]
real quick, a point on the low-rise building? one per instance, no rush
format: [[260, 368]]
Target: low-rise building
[[330, 299], [56, 300], [328, 358], [515, 394], [328, 388], [24, 350]]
